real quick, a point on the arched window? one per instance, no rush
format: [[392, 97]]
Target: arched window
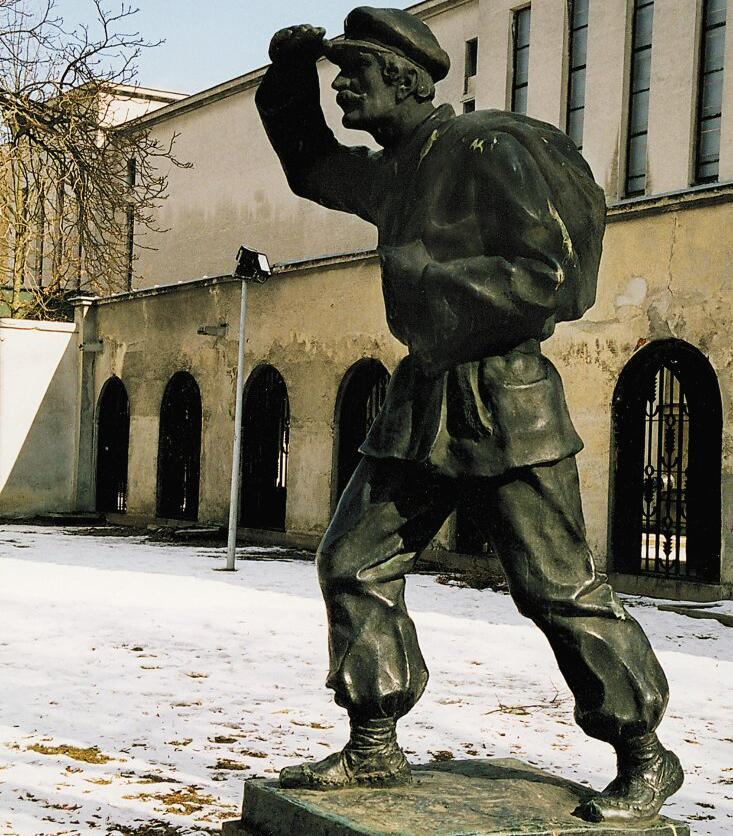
[[667, 443], [179, 449], [113, 439], [360, 398], [265, 440]]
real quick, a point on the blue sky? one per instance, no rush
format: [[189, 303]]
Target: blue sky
[[210, 41]]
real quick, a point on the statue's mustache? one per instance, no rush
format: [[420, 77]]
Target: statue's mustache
[[346, 99]]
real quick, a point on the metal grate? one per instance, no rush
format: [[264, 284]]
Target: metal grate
[[664, 505], [667, 452]]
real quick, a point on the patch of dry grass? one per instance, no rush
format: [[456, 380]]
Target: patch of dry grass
[[181, 802], [89, 755]]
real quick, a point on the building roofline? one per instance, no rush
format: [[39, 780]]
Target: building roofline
[[151, 93], [424, 10], [279, 269]]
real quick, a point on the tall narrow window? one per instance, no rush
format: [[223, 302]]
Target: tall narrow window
[[471, 63], [361, 397], [266, 442], [179, 449], [131, 181], [113, 442], [641, 63], [520, 74], [711, 91], [470, 68], [577, 64]]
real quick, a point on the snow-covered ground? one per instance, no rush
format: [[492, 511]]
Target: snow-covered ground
[[138, 684]]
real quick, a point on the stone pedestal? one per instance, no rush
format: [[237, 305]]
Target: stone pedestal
[[459, 798]]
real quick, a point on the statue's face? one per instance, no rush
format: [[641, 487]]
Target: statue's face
[[366, 99]]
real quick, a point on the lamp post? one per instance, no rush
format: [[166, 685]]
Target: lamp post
[[252, 266]]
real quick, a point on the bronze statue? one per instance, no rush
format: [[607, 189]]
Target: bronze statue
[[490, 229]]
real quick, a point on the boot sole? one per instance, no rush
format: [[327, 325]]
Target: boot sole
[[593, 810]]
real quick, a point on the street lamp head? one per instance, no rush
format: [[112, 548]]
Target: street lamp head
[[252, 265]]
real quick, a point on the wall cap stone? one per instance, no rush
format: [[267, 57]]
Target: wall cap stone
[[692, 197]]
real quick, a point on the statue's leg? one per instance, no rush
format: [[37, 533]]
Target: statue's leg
[[535, 520], [388, 513]]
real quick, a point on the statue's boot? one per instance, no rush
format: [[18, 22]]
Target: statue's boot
[[647, 775], [371, 757]]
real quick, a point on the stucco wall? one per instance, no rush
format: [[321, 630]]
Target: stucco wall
[[311, 324], [38, 395], [235, 192], [664, 271], [662, 275]]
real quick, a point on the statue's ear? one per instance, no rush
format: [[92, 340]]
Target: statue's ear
[[407, 84]]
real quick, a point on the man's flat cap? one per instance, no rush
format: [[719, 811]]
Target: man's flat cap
[[396, 31]]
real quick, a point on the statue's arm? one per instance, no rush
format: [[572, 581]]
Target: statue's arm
[[316, 165], [468, 307]]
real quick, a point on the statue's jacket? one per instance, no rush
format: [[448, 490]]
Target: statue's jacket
[[490, 229]]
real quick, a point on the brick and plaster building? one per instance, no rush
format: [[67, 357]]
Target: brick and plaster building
[[643, 88]]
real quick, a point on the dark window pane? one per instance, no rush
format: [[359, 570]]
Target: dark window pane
[[643, 26], [580, 13], [579, 47], [708, 171], [520, 100], [575, 126], [471, 57], [637, 156], [639, 117], [469, 106], [714, 49], [642, 70], [577, 89], [712, 95], [710, 141], [522, 27], [521, 70], [715, 12]]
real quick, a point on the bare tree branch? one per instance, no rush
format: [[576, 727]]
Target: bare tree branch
[[72, 183]]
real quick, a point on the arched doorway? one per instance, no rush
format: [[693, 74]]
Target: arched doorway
[[666, 464], [113, 440], [360, 398], [265, 440], [179, 449]]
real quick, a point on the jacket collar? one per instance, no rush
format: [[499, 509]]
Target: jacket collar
[[421, 132]]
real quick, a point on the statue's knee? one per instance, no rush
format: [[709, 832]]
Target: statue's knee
[[332, 564]]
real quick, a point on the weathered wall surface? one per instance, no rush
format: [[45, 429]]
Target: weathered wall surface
[[236, 192], [38, 389], [664, 272], [662, 275], [311, 324]]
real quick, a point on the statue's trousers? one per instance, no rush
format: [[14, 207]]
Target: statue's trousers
[[391, 510]]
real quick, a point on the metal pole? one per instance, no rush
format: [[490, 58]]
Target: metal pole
[[237, 452]]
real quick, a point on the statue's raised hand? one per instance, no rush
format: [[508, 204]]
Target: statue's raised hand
[[297, 44]]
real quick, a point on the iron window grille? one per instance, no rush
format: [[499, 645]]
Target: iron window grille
[[667, 448]]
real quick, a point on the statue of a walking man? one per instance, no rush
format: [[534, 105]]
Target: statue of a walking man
[[490, 229]]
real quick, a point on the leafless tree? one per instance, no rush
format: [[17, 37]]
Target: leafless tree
[[73, 184]]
